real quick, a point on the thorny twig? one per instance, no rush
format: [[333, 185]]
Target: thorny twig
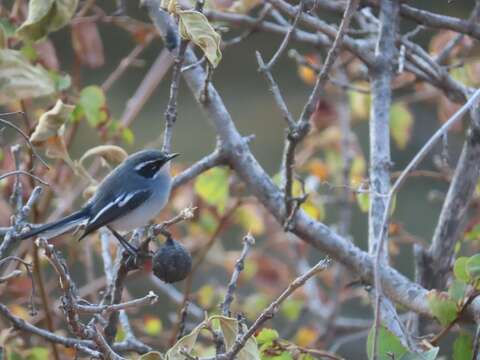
[[248, 242]]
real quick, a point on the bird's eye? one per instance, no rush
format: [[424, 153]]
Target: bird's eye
[[148, 169]]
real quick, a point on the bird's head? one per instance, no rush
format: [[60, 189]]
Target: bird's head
[[148, 163]]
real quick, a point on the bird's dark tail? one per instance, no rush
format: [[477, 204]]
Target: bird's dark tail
[[57, 227]]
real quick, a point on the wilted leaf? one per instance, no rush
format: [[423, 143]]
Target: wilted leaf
[[49, 132], [45, 16], [194, 26], [389, 346], [460, 269], [21, 80], [401, 123], [473, 234], [229, 329], [463, 347], [50, 123], [112, 154], [212, 187], [88, 44], [92, 104], [186, 343], [152, 355], [443, 308]]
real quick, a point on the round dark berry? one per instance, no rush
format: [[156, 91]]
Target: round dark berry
[[172, 262]]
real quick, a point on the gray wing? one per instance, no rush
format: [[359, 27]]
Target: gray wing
[[104, 213]]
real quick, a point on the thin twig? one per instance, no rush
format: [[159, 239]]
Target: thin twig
[[269, 312], [25, 136], [21, 172], [248, 242]]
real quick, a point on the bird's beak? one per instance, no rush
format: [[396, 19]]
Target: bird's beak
[[171, 156]]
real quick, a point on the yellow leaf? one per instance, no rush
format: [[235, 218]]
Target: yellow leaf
[[45, 16], [357, 170], [250, 218], [194, 26], [153, 326], [363, 201], [206, 296], [360, 102], [305, 336], [401, 123]]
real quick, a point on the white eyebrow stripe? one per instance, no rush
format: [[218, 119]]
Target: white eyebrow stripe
[[141, 165]]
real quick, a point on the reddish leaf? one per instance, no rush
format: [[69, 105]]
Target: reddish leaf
[[47, 56], [87, 44]]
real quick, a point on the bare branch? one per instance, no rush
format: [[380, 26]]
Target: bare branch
[[248, 241]]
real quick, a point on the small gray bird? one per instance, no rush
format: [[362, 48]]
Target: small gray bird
[[128, 198]]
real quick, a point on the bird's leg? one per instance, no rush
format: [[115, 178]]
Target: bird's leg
[[129, 248]]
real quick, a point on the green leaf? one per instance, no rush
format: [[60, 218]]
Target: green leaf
[[460, 269], [401, 123], [473, 267], [463, 347], [363, 201], [152, 355], [93, 104], [194, 26], [45, 16], [443, 308], [267, 335], [212, 187], [284, 355], [62, 82], [127, 136], [291, 309], [21, 80], [38, 353], [389, 346], [456, 291], [427, 355]]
